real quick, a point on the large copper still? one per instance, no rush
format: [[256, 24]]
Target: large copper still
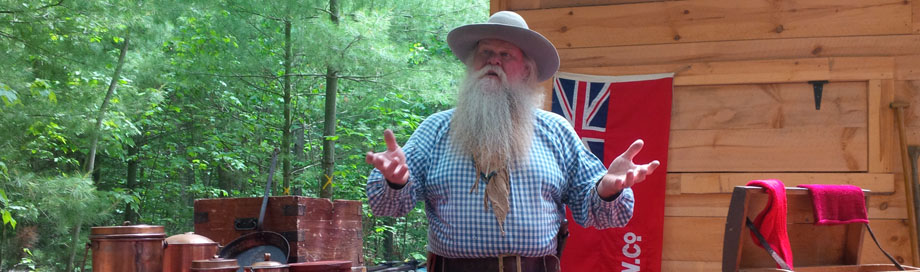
[[128, 248]]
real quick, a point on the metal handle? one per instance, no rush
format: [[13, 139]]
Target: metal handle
[[766, 246], [268, 188]]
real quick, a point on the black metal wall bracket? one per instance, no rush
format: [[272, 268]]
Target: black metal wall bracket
[[818, 86]]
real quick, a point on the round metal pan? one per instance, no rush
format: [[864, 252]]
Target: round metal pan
[[251, 248]]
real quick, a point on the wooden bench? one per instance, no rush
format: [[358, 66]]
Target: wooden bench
[[814, 247]]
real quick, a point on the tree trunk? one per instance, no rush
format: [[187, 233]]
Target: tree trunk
[[74, 244], [300, 141], [131, 181], [325, 184], [2, 245], [328, 134], [190, 178], [97, 174], [91, 159], [334, 11], [286, 129], [389, 245]]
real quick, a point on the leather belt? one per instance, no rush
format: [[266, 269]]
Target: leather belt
[[503, 263]]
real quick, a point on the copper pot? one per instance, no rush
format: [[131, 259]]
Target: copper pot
[[268, 265], [215, 265], [128, 248], [182, 249]]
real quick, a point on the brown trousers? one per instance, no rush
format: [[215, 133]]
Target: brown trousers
[[504, 263]]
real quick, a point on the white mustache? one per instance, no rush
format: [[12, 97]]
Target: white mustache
[[491, 68]]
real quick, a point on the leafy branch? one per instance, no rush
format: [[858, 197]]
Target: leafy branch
[[37, 9]]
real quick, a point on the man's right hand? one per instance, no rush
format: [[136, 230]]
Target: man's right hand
[[392, 162]]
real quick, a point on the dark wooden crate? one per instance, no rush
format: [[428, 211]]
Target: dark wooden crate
[[316, 228]]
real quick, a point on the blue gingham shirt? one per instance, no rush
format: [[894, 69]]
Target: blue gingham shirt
[[559, 170]]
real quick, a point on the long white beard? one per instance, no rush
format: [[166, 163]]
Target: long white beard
[[494, 119]]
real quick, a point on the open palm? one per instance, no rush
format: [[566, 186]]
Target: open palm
[[623, 173]]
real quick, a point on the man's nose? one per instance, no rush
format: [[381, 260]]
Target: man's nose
[[494, 59]]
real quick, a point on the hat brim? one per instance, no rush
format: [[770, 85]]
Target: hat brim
[[462, 41]]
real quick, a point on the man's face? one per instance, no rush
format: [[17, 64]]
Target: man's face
[[502, 54]]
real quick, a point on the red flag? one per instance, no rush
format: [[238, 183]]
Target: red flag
[[609, 113]]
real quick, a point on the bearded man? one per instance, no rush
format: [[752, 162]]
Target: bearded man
[[496, 171]]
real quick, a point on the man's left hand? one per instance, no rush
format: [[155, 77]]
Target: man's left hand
[[623, 173]]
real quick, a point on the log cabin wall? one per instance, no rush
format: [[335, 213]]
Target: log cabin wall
[[743, 108]]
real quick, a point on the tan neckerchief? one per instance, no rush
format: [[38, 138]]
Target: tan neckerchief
[[498, 192]]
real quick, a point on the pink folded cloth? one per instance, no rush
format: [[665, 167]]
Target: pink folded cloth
[[837, 204], [772, 220]]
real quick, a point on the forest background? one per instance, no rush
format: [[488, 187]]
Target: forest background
[[130, 110]]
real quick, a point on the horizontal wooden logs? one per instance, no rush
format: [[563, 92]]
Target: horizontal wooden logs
[[760, 71], [715, 20], [742, 50]]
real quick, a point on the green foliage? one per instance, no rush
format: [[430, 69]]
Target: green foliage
[[46, 208], [198, 109]]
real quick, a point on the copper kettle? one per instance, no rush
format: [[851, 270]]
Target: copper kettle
[[183, 249]]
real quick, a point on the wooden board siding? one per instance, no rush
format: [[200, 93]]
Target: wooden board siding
[[742, 107], [778, 150], [760, 71], [882, 149], [915, 11], [847, 46], [717, 20], [732, 128], [545, 4]]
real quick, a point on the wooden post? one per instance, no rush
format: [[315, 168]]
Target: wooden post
[[898, 107]]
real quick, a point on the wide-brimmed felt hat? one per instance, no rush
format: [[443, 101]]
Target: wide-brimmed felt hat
[[511, 27]]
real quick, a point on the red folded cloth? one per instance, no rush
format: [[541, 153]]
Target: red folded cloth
[[837, 204], [772, 220]]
